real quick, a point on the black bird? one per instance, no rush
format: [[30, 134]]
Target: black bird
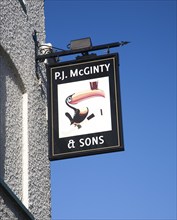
[[79, 114]]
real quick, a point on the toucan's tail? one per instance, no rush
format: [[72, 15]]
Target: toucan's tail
[[69, 117]]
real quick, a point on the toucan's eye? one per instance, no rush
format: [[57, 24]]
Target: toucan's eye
[[69, 99]]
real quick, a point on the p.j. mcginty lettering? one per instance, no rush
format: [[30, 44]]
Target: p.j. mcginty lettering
[[83, 71]]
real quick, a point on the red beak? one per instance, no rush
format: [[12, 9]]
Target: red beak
[[81, 96]]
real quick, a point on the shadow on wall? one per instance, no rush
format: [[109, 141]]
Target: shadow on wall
[[10, 82], [2, 114]]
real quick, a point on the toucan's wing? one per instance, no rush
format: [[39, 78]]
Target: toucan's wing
[[80, 115]]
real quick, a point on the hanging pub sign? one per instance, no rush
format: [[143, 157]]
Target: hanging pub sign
[[84, 107]]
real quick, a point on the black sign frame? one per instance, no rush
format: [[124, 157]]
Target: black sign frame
[[104, 68]]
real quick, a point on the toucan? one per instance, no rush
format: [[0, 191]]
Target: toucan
[[80, 114]]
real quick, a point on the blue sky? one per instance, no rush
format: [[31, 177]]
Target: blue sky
[[140, 182]]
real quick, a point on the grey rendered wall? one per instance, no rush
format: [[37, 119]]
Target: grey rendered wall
[[18, 77], [15, 209], [10, 126], [12, 211]]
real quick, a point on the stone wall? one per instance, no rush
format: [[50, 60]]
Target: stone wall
[[11, 207], [24, 164]]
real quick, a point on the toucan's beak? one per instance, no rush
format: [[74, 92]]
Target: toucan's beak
[[81, 96]]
